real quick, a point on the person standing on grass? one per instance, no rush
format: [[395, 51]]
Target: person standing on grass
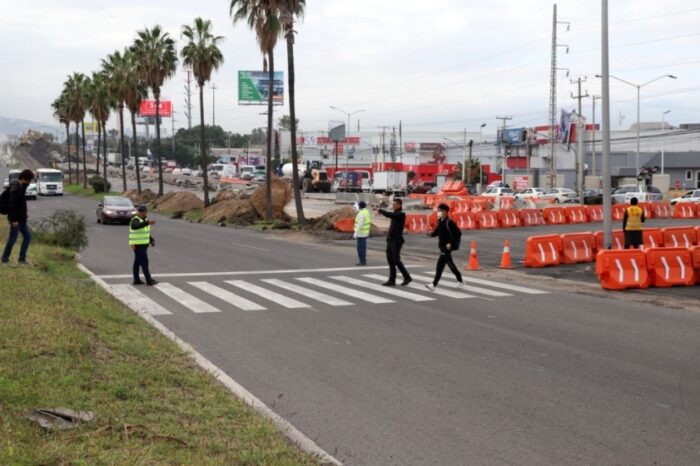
[[17, 217], [394, 242], [449, 238], [139, 240], [363, 223], [632, 225]]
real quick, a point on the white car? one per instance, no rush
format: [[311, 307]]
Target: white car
[[624, 193], [197, 172], [560, 195], [187, 171], [176, 171], [530, 192], [690, 196], [498, 191]]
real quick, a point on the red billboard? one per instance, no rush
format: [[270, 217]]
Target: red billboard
[[148, 108]]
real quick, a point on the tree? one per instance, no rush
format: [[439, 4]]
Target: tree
[[135, 92], [76, 87], [116, 68], [285, 123], [62, 113], [202, 55], [156, 60], [99, 109]]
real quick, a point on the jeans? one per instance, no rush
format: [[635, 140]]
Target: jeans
[[141, 260], [393, 256], [446, 259], [362, 250], [26, 239]]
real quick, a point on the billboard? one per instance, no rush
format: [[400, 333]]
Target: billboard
[[148, 108], [513, 136], [253, 88], [91, 127]]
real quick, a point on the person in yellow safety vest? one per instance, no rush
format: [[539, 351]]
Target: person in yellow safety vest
[[363, 223], [632, 225], [139, 240]]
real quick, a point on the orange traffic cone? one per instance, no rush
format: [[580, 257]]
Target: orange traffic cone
[[505, 258], [473, 260]]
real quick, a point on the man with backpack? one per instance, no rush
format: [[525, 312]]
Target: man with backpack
[[449, 238], [14, 205]]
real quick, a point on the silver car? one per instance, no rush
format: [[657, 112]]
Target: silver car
[[623, 194]]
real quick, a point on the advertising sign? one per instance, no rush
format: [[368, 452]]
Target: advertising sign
[[253, 88], [91, 127], [520, 181], [409, 147], [148, 108], [512, 136]]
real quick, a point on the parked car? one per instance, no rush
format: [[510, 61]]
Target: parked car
[[423, 187], [175, 171], [498, 191], [115, 209], [593, 196], [561, 195], [530, 192], [690, 196], [259, 176], [187, 171], [622, 194]]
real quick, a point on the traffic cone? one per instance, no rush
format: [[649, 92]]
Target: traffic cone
[[505, 258], [473, 260]]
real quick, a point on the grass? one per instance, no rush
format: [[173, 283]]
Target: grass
[[64, 342], [194, 215], [78, 190]]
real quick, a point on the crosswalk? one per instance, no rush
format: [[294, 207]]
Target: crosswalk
[[252, 294]]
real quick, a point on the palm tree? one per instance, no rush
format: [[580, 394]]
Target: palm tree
[[115, 68], [263, 17], [61, 112], [99, 109], [135, 92], [202, 55], [76, 87], [156, 60]]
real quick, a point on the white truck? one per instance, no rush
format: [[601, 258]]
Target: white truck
[[390, 183], [49, 182]]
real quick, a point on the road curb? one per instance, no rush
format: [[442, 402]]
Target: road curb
[[292, 433]]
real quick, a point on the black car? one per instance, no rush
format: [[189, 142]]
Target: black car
[[593, 196], [115, 209]]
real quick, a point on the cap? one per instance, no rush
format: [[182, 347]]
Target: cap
[[362, 204], [141, 208]]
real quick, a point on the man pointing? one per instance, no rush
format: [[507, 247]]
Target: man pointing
[[139, 240]]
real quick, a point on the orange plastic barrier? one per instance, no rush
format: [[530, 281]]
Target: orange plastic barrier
[[662, 209], [479, 204], [486, 219], [417, 223], [508, 218], [541, 251], [682, 210], [618, 211], [695, 255], [432, 220], [531, 217], [464, 220], [648, 209], [346, 225], [575, 214], [619, 270], [653, 238], [577, 247], [618, 240], [679, 237], [506, 202], [670, 266], [595, 213], [554, 215], [459, 207]]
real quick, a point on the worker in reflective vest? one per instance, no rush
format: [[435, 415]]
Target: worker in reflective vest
[[632, 225], [363, 224], [139, 240]]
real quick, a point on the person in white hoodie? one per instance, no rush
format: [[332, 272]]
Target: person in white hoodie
[[363, 224]]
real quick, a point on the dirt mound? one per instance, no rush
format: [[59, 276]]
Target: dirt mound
[[145, 197], [281, 195], [164, 198], [327, 221], [234, 211], [229, 194], [183, 201]]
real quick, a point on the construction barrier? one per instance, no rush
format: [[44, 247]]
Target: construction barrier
[[575, 214], [346, 225], [683, 210], [670, 267], [648, 209], [594, 213], [675, 237], [459, 207], [505, 202], [577, 247], [653, 238], [618, 211], [618, 240], [619, 270], [486, 219], [417, 223], [432, 220], [542, 251], [695, 255], [554, 215], [479, 204], [464, 220], [508, 218], [531, 217], [662, 209]]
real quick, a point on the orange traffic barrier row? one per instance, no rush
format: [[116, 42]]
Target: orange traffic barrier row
[[670, 267], [417, 223], [618, 240], [619, 270], [679, 236], [486, 219], [531, 217], [554, 215], [682, 210], [653, 237], [661, 209], [575, 214], [508, 218], [594, 213], [345, 225], [618, 211], [577, 247], [648, 209], [542, 251], [464, 220], [695, 255]]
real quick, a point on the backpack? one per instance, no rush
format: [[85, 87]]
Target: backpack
[[5, 202], [455, 234]]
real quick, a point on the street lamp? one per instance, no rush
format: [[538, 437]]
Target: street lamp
[[639, 87], [663, 139], [464, 157], [347, 133]]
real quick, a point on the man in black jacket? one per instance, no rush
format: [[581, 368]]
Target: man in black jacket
[[394, 241], [445, 231], [17, 216]]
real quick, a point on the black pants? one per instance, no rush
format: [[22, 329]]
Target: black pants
[[446, 259], [633, 239], [393, 257], [141, 261]]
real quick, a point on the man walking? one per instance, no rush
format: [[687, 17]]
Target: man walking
[[632, 225], [17, 216], [394, 241], [363, 223], [449, 237], [139, 240]]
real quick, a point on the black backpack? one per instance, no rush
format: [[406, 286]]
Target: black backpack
[[5, 201], [455, 234]]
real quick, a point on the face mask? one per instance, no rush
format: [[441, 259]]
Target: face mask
[[440, 214]]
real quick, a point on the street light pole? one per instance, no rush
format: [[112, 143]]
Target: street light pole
[[347, 135], [663, 139], [464, 158], [481, 158], [605, 92], [593, 167]]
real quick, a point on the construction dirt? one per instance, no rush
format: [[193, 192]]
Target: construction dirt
[[183, 201], [324, 225], [281, 195], [146, 196], [232, 211]]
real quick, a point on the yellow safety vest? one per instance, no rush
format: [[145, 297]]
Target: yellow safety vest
[[141, 236], [364, 231], [634, 218]]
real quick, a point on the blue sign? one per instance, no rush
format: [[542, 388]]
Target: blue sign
[[511, 136]]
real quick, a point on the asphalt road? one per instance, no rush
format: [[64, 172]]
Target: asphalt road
[[569, 376]]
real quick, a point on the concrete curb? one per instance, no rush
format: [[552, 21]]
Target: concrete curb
[[292, 433]]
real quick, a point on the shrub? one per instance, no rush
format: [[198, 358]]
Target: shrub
[[99, 184], [64, 228]]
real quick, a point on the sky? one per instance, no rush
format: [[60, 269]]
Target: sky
[[442, 65]]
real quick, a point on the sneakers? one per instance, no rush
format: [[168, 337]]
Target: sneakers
[[406, 281], [361, 263], [137, 282], [23, 263], [430, 286], [460, 284], [389, 283], [152, 282]]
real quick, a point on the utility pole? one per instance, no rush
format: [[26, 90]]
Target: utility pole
[[502, 143], [213, 104], [593, 167], [605, 91], [464, 157], [172, 134], [553, 100], [580, 131], [188, 98]]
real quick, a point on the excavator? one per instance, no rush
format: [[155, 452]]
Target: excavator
[[312, 178]]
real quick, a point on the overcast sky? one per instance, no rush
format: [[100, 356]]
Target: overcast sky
[[438, 65]]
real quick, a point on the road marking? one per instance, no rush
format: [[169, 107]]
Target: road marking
[[225, 295], [438, 291], [370, 298], [309, 293], [382, 289], [503, 286], [193, 303], [473, 289], [267, 294], [137, 300], [254, 272], [250, 247]]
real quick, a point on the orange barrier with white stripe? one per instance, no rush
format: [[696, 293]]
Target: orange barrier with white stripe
[[459, 207], [653, 238], [619, 270], [618, 240], [695, 255], [486, 219], [618, 211], [554, 215], [508, 218], [594, 213], [575, 214], [577, 247], [479, 204], [684, 210], [464, 220], [648, 209], [542, 251], [417, 223], [670, 267], [679, 237], [506, 202], [662, 210], [531, 217]]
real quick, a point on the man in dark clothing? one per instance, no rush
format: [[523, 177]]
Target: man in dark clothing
[[17, 216], [394, 241], [139, 240], [445, 231]]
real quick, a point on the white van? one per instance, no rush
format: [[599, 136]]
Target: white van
[[49, 182]]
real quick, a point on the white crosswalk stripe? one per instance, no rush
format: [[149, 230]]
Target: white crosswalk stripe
[[370, 298], [382, 289], [280, 299], [438, 291], [473, 289], [308, 292], [193, 303], [225, 295], [134, 298], [503, 286]]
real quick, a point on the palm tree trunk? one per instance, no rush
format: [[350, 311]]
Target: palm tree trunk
[[99, 141], [136, 153], [202, 149], [104, 159], [293, 130], [121, 144], [82, 123], [268, 159], [156, 95], [68, 150], [77, 154]]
